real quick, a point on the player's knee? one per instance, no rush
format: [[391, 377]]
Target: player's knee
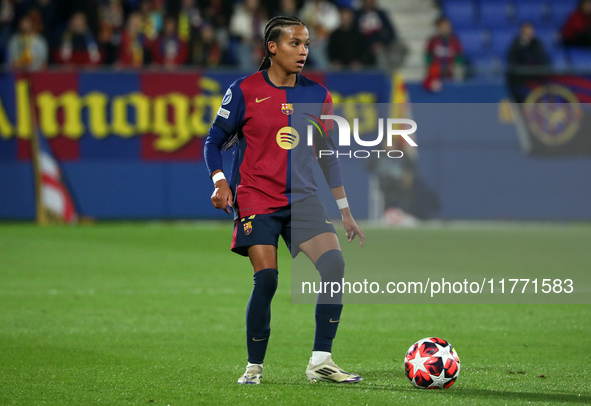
[[331, 266], [267, 280]]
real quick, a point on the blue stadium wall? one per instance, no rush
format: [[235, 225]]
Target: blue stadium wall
[[469, 154]]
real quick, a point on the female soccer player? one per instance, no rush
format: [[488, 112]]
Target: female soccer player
[[272, 191]]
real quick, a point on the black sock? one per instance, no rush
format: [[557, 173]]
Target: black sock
[[258, 314], [331, 267]]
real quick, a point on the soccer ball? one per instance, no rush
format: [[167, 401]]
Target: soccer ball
[[432, 363]]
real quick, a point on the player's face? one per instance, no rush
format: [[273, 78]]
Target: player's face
[[292, 51]]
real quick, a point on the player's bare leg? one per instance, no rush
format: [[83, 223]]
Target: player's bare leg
[[262, 257]]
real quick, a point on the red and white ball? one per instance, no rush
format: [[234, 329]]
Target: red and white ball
[[432, 363]]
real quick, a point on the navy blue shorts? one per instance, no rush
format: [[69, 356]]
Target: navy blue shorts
[[296, 224]]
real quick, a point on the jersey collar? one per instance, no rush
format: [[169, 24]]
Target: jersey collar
[[266, 76]]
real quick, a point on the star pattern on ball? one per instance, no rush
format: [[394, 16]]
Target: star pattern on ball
[[432, 363], [439, 380], [441, 351], [445, 356], [418, 362]]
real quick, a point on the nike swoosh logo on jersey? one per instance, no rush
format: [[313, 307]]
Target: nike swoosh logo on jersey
[[262, 339], [328, 222], [333, 321], [261, 100]]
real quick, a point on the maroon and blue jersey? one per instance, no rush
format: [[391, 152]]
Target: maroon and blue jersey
[[272, 165]]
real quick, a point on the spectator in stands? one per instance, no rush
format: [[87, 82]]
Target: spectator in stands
[[6, 22], [78, 46], [322, 18], [286, 8], [90, 8], [130, 6], [379, 33], [246, 26], [346, 47], [189, 20], [189, 26], [150, 12], [132, 52], [44, 14], [444, 56], [207, 52], [216, 14], [169, 50], [151, 16], [526, 49], [110, 28], [27, 50], [577, 29], [36, 19]]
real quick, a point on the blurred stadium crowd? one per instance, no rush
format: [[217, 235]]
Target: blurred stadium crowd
[[470, 36], [204, 33]]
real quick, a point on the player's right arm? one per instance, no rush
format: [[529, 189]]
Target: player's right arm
[[228, 119], [222, 195]]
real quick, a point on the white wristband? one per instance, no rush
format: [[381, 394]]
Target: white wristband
[[218, 176], [342, 203]]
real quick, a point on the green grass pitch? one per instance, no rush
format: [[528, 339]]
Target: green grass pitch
[[131, 314]]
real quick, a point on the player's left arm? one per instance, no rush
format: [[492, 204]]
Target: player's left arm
[[331, 168], [349, 222]]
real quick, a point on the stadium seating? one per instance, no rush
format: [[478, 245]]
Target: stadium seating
[[495, 14], [487, 66], [572, 4], [559, 59], [500, 40], [534, 11], [462, 13], [474, 40], [550, 37], [560, 11], [580, 57], [486, 29]]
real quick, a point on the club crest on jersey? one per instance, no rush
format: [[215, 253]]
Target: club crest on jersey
[[248, 228], [287, 108]]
